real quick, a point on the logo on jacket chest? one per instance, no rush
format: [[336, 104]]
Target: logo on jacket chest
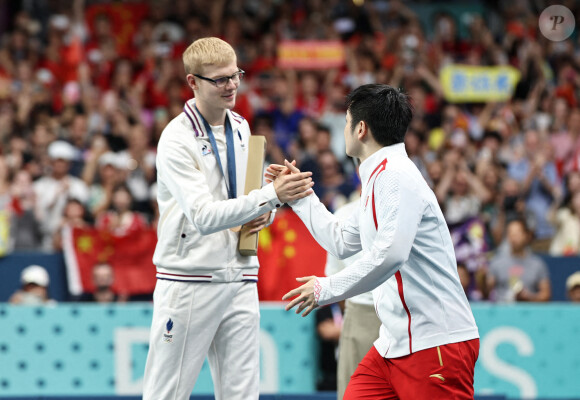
[[205, 150]]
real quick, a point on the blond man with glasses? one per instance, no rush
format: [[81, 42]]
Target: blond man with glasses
[[205, 302]]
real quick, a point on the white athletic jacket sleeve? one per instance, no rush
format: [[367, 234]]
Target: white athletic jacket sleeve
[[334, 265], [339, 238]]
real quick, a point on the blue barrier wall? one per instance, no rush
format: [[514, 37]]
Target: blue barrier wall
[[528, 351], [560, 269], [76, 349], [11, 265]]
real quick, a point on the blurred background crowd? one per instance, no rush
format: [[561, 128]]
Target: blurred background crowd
[[86, 87]]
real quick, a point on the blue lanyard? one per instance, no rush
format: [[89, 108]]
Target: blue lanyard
[[230, 151]]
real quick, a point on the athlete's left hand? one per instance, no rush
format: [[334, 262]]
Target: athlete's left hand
[[305, 293], [257, 224]]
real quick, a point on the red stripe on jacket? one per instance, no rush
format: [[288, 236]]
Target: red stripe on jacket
[[380, 168]]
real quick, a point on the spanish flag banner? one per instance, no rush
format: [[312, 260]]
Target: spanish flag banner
[[310, 54]]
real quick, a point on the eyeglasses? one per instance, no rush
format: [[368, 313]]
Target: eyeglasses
[[223, 81]]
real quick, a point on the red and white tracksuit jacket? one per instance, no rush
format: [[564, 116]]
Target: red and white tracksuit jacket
[[407, 259]]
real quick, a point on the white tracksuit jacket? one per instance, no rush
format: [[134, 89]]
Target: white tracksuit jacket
[[194, 239], [407, 261]]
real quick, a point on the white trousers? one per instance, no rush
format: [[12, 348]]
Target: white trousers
[[192, 320]]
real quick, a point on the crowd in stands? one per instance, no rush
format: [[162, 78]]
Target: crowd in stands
[[86, 87]]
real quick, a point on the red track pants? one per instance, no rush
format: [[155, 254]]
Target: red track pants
[[442, 372]]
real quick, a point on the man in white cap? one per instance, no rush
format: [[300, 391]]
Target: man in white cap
[[53, 191], [34, 289], [573, 287]]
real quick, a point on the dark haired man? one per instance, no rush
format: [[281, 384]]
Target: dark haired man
[[428, 341]]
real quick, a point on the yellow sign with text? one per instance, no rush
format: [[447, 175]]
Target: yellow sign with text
[[466, 83]]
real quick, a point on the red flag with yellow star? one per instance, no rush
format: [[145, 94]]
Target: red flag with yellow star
[[130, 256], [286, 251]]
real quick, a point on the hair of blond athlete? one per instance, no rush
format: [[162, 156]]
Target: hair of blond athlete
[[207, 52]]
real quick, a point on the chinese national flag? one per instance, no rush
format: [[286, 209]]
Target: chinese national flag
[[286, 251], [130, 256], [124, 18]]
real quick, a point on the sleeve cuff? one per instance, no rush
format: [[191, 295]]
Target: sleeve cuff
[[322, 294], [272, 198]]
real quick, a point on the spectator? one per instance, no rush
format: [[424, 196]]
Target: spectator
[[566, 220], [77, 134], [309, 100], [566, 141], [328, 328], [473, 282], [285, 116], [491, 177], [510, 205], [573, 287], [333, 117], [139, 161], [34, 289], [460, 191], [362, 67], [103, 279], [305, 148], [571, 185], [5, 207], [435, 171], [414, 144], [517, 274], [263, 127], [110, 174], [97, 148], [121, 219], [75, 215], [539, 179], [52, 191], [24, 227], [333, 188], [488, 154], [451, 115]]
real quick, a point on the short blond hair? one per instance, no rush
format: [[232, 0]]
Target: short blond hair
[[207, 51]]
